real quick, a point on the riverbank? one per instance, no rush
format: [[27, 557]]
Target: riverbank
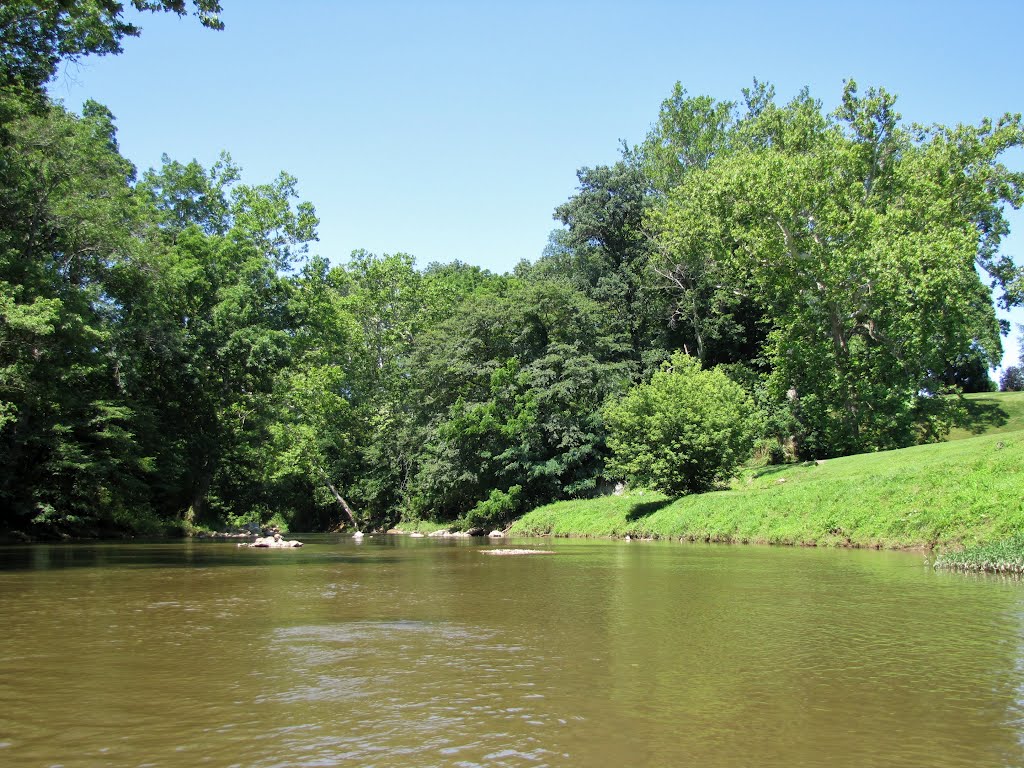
[[944, 496]]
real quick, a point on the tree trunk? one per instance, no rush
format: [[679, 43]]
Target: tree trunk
[[341, 501], [195, 510]]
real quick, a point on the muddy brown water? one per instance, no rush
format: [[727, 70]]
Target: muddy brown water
[[419, 652]]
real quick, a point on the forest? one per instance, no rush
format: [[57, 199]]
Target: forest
[[175, 353]]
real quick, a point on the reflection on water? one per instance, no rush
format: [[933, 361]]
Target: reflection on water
[[402, 652]]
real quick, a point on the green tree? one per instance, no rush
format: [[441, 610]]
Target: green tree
[[861, 241], [68, 217], [35, 36], [224, 323], [76, 263], [509, 391], [605, 253], [323, 410], [1012, 379], [685, 432], [712, 316], [969, 372]]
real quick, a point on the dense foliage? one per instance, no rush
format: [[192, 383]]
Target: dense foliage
[[858, 240], [687, 431], [172, 354]]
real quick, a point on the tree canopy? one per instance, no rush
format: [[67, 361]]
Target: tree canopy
[[35, 37], [860, 241]]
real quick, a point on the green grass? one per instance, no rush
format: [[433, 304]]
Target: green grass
[[946, 495], [990, 413]]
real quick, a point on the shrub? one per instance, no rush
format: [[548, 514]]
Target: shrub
[[278, 520], [497, 509], [685, 432], [771, 450]]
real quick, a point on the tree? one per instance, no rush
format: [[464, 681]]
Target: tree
[[685, 432], [76, 263], [604, 252], [1012, 379], [322, 409], [508, 393], [861, 241], [969, 373], [67, 257], [713, 318], [217, 329], [36, 36]]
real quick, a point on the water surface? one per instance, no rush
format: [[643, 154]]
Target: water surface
[[419, 652]]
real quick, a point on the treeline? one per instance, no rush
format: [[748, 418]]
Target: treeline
[[172, 354]]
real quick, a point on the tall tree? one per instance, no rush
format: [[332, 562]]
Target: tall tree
[[68, 219], [713, 318], [860, 239], [323, 410], [220, 314], [604, 252]]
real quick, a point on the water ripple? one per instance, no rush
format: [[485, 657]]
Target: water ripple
[[446, 692]]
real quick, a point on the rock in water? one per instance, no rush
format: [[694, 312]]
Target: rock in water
[[273, 542], [514, 552]]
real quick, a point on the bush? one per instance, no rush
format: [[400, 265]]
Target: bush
[[254, 514], [278, 520], [685, 432], [771, 450], [497, 509]]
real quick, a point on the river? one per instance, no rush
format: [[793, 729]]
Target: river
[[424, 652]]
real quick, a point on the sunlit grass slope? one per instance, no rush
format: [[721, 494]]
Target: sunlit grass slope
[[990, 413], [945, 494]]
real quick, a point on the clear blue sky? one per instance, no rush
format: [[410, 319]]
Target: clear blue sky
[[451, 129]]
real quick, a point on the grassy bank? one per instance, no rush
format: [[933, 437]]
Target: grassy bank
[[946, 495]]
